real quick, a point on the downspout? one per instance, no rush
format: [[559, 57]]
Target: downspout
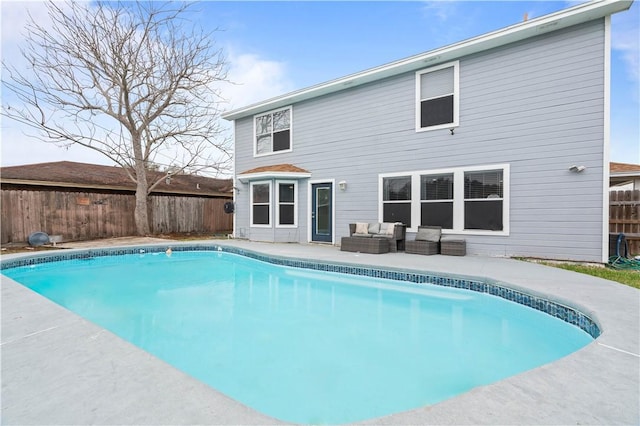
[[606, 153]]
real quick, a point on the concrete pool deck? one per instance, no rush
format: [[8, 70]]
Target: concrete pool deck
[[58, 368]]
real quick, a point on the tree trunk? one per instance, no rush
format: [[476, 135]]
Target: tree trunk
[[141, 212]]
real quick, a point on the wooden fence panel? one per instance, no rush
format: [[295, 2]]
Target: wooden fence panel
[[189, 214], [624, 217], [214, 218], [86, 215]]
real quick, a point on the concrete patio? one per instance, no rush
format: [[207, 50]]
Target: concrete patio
[[58, 368]]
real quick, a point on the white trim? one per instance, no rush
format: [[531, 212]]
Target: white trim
[[310, 207], [234, 231], [272, 175], [251, 224], [255, 139], [295, 203], [562, 19], [456, 97], [458, 197], [606, 151]]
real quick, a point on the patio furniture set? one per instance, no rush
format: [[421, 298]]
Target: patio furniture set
[[378, 238]]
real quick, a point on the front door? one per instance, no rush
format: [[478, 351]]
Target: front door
[[322, 212]]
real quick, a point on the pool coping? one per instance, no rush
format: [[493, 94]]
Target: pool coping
[[598, 384]]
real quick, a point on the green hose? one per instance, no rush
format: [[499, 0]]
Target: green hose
[[623, 261], [618, 262]]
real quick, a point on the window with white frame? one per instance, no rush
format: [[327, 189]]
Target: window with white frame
[[273, 132], [286, 202], [464, 199], [397, 199], [483, 200], [437, 96], [436, 200], [260, 203]]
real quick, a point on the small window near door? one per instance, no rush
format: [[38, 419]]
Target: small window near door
[[261, 203], [286, 203]]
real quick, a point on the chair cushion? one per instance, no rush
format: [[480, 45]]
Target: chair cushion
[[362, 235], [452, 239], [374, 228], [387, 228], [362, 228], [428, 234]]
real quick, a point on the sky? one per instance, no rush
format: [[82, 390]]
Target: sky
[[273, 48]]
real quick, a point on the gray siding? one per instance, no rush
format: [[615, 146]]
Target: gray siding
[[537, 105]]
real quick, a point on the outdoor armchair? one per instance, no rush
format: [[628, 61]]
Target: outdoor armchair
[[427, 241]]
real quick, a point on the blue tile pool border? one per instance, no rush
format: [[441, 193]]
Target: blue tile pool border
[[482, 285]]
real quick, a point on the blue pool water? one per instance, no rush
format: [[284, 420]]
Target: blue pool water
[[300, 345]]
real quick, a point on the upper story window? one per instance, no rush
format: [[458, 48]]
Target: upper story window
[[437, 97], [273, 132]]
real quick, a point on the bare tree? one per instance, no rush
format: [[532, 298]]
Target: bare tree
[[132, 80]]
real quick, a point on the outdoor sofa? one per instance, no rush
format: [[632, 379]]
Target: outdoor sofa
[[374, 237]]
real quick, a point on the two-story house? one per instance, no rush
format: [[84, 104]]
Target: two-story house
[[502, 139]]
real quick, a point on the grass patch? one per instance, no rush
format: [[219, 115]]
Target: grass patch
[[627, 277]]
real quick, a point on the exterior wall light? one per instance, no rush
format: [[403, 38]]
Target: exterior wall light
[[342, 185], [577, 169]]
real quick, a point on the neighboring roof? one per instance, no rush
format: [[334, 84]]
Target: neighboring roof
[[93, 176], [623, 173], [286, 171], [624, 169], [565, 18]]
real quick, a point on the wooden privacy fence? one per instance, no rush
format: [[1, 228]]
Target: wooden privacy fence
[[88, 215], [624, 217]]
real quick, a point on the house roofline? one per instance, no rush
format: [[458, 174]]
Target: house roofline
[[248, 177], [27, 182], [625, 174], [562, 19]]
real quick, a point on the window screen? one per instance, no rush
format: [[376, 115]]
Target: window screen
[[437, 91]]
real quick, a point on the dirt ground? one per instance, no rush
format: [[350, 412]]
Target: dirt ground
[[106, 242]]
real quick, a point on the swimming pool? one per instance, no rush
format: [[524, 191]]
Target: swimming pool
[[327, 317]]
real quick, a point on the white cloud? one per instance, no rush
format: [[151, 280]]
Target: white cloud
[[625, 38], [442, 10], [14, 16], [254, 79], [18, 148], [19, 143]]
